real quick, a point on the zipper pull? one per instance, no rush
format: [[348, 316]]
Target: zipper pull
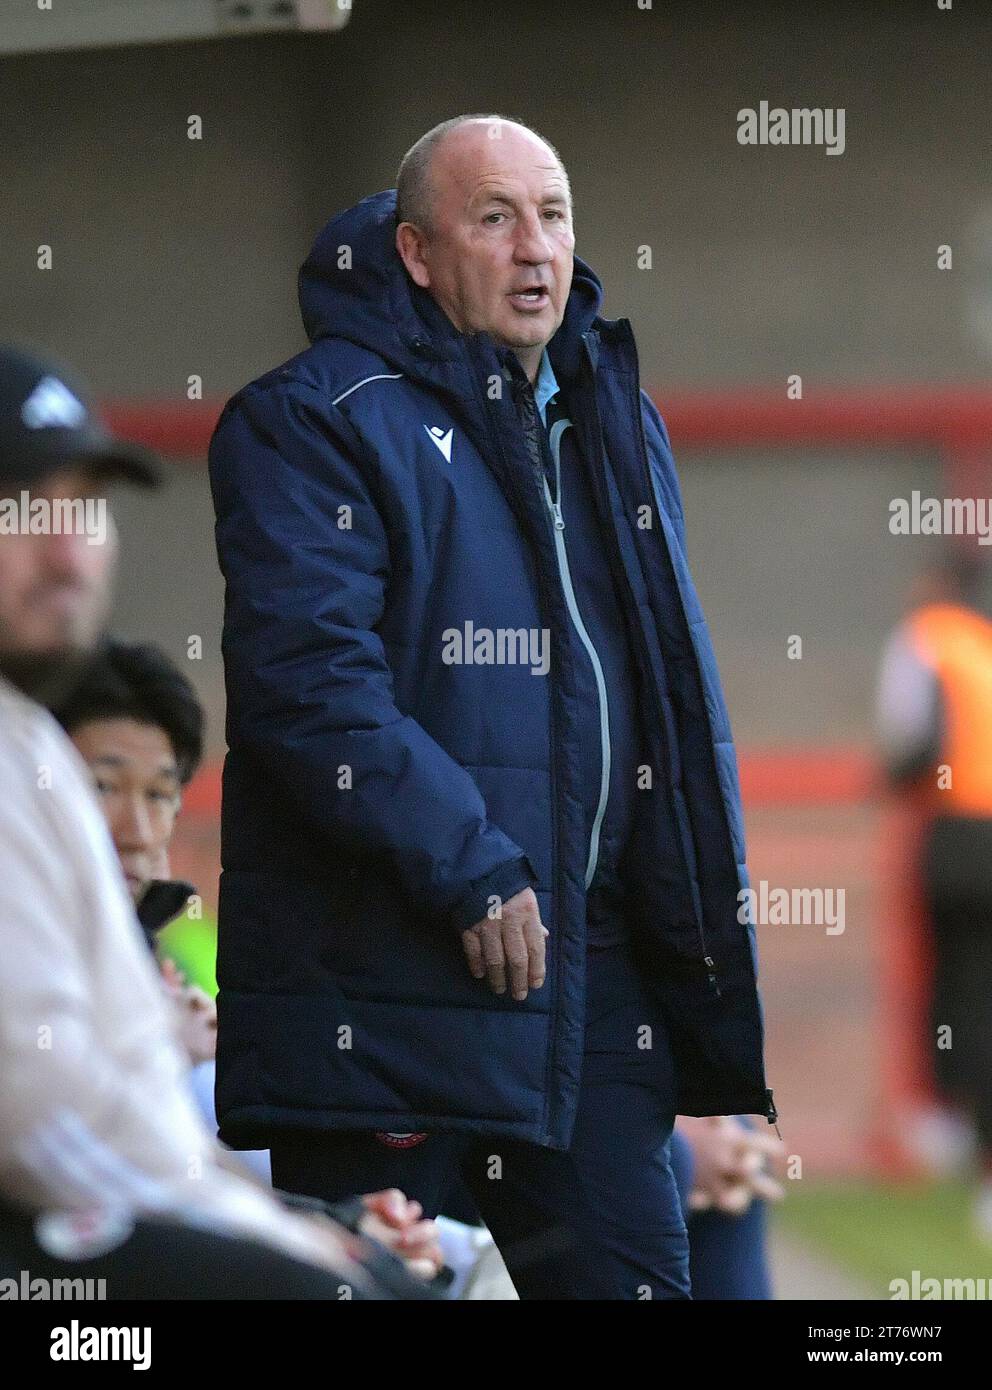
[[772, 1114], [714, 985], [559, 519]]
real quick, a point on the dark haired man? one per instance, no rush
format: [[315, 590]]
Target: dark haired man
[[138, 724]]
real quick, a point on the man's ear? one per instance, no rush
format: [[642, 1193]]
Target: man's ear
[[410, 244]]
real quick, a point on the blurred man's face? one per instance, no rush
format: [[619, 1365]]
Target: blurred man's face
[[137, 781], [502, 225], [54, 589]]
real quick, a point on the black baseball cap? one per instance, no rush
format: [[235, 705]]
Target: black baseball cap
[[47, 422]]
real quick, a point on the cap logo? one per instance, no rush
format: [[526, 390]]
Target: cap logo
[[51, 404]]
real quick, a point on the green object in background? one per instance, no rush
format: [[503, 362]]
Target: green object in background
[[885, 1231], [192, 944]]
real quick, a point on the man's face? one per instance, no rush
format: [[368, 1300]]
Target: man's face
[[54, 589], [137, 780], [502, 224]]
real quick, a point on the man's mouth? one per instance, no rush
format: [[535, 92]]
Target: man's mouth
[[530, 297]]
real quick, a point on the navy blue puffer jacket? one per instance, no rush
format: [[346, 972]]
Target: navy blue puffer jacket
[[376, 793]]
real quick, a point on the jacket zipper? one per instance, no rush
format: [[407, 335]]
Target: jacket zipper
[[557, 894], [564, 570]]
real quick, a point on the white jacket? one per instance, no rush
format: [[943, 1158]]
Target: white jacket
[[94, 1105]]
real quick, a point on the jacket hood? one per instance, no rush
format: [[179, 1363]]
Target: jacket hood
[[375, 304]]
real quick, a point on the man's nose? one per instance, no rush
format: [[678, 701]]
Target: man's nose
[[534, 245], [68, 555], [132, 824]]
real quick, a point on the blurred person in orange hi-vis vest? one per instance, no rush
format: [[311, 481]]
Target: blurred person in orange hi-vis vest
[[934, 714]]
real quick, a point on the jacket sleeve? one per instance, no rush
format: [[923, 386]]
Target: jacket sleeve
[[662, 464], [310, 691]]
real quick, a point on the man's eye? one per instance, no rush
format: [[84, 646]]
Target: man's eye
[[490, 215], [104, 788]]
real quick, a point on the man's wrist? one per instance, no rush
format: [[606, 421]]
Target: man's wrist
[[502, 884]]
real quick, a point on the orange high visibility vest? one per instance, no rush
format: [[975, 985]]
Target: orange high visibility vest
[[957, 644]]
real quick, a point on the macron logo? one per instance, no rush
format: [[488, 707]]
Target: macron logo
[[52, 404], [442, 440]]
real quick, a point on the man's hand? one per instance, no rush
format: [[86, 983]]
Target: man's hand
[[510, 944], [394, 1221], [195, 1013], [729, 1164]]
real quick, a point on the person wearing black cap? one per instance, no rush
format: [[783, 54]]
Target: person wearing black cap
[[94, 1110], [54, 451]]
